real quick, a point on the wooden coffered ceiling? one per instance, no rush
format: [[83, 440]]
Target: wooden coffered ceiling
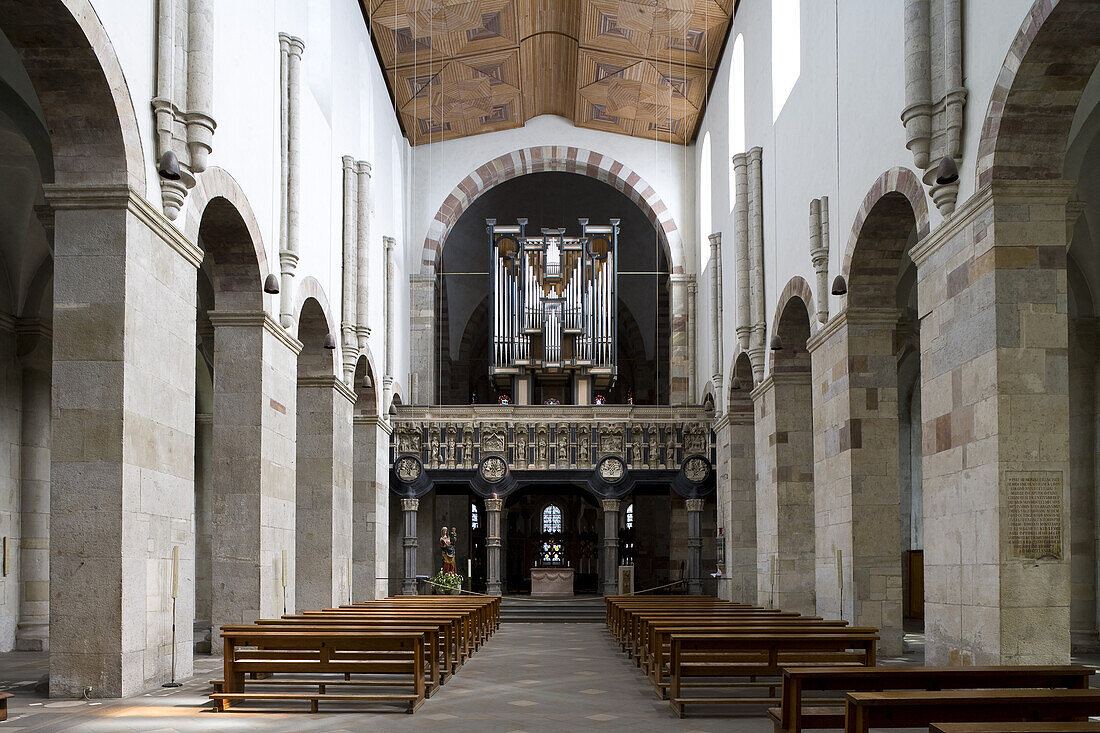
[[464, 67]]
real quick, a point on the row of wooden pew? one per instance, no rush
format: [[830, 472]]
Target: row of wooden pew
[[698, 650], [396, 650]]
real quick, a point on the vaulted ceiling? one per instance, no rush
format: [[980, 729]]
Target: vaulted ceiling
[[464, 67]]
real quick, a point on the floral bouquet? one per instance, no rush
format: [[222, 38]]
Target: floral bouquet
[[447, 583]]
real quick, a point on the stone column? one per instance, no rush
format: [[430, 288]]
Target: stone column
[[784, 494], [362, 264], [610, 545], [422, 326], [323, 531], [755, 221], [33, 631], [492, 545], [200, 82], [123, 450], [995, 406], [695, 545], [410, 543], [371, 508], [349, 307], [741, 259], [715, 322], [856, 490], [292, 49], [680, 358], [390, 322], [253, 517]]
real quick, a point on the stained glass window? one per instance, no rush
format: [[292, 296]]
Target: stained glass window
[[630, 516], [551, 519], [475, 517], [553, 551]]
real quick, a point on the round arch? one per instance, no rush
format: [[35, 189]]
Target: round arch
[[311, 289], [64, 47], [897, 180], [1039, 78], [552, 158], [796, 287], [216, 183]]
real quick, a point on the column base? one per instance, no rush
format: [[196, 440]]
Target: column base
[[32, 637], [494, 589]]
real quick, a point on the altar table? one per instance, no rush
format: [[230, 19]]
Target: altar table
[[551, 581]]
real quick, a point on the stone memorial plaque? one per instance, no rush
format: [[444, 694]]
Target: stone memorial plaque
[[1035, 514]]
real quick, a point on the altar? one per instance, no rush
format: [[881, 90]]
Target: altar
[[551, 581]]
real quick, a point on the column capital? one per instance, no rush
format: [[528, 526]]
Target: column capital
[[715, 239], [494, 505], [695, 505], [410, 505], [389, 243], [610, 505]]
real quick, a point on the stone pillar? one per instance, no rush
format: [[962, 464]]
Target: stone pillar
[[390, 322], [292, 49], [323, 531], [410, 543], [755, 222], [680, 357], [995, 405], [348, 304], [362, 264], [123, 450], [736, 501], [784, 493], [610, 545], [716, 321], [492, 545], [741, 259], [33, 630], [422, 325], [204, 498], [253, 517], [856, 490], [200, 82], [695, 546], [371, 508]]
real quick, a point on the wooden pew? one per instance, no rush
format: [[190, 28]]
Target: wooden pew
[[913, 708], [793, 716], [4, 705], [758, 655], [331, 651], [661, 634], [1010, 727], [433, 665], [461, 624]]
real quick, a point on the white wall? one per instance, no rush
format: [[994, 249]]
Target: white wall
[[802, 147], [345, 110]]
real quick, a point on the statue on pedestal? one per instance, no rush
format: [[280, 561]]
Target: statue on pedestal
[[447, 547]]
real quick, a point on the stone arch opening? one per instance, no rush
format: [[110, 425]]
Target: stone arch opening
[[552, 199], [736, 497], [857, 365], [785, 457], [323, 468], [546, 159]]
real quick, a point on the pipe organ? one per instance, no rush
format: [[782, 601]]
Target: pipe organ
[[553, 303]]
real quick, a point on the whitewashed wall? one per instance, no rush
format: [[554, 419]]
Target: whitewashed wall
[[345, 110], [801, 146]]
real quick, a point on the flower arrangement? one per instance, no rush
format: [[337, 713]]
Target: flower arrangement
[[447, 582]]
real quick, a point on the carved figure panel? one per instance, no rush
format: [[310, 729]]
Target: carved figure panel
[[409, 439], [492, 438]]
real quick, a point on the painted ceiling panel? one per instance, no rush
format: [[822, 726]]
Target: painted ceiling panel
[[465, 67]]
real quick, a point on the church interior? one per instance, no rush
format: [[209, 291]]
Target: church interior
[[533, 365]]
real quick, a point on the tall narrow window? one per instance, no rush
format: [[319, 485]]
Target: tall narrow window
[[630, 516], [475, 517], [786, 51], [736, 109], [551, 519], [553, 552], [704, 201]]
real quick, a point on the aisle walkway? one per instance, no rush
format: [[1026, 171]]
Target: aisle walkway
[[539, 678]]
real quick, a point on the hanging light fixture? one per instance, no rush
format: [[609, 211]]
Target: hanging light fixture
[[169, 166], [840, 285], [947, 172], [271, 284], [777, 343], [330, 341], [735, 384]]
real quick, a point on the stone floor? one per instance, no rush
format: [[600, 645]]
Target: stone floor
[[528, 677]]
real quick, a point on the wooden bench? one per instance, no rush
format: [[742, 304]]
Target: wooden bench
[[654, 650], [4, 705], [1010, 727], [758, 655], [794, 715], [912, 709], [276, 650], [461, 634]]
